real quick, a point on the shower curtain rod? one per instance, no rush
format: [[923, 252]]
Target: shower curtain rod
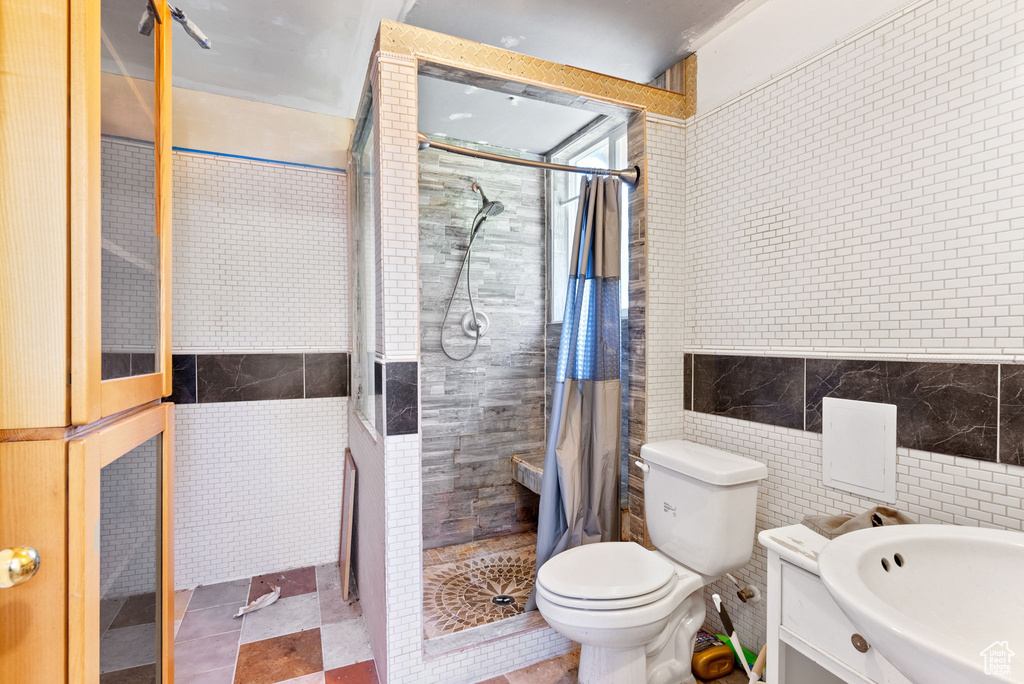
[[630, 176]]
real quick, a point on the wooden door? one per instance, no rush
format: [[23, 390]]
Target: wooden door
[[33, 513], [89, 456], [33, 214]]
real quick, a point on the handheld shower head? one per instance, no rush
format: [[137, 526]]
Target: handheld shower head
[[489, 208]]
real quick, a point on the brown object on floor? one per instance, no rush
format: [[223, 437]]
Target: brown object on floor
[[280, 658], [360, 673], [831, 526], [711, 658], [292, 582], [348, 498]]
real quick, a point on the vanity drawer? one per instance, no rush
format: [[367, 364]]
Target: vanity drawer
[[809, 611]]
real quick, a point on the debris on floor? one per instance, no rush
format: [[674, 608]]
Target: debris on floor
[[261, 602]]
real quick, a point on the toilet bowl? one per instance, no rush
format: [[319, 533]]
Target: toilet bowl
[[634, 622], [636, 611]]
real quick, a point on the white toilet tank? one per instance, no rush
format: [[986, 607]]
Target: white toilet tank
[[701, 504]]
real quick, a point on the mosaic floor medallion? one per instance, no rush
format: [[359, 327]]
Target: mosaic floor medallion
[[476, 590]]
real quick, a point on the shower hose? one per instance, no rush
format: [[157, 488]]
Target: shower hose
[[467, 268]]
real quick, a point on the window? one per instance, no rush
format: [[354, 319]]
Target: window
[[605, 150]]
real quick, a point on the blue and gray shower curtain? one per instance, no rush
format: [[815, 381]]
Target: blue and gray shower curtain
[[579, 499]]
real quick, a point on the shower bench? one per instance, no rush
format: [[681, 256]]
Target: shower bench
[[527, 469]]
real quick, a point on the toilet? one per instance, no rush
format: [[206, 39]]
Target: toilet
[[635, 611]]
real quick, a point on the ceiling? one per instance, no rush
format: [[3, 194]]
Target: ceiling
[[312, 54], [464, 112]]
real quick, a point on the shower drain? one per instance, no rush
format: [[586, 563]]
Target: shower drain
[[503, 600]]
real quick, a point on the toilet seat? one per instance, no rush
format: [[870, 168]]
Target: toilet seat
[[606, 576], [606, 604]]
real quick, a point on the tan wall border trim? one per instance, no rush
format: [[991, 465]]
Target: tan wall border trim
[[458, 53]]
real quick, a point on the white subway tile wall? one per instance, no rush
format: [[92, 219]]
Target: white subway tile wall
[[257, 487], [868, 200], [666, 226], [864, 203], [130, 251], [260, 257], [260, 264], [128, 522], [399, 209]]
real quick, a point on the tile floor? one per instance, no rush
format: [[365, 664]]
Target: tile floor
[[128, 643], [459, 582], [311, 635], [564, 669]]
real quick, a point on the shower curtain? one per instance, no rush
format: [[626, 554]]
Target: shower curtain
[[579, 499]]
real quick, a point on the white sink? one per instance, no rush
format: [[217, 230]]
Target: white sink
[[950, 601]]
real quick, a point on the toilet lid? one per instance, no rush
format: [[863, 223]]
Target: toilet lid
[[609, 570]]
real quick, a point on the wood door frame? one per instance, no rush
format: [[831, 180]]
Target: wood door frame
[[87, 456], [92, 398]]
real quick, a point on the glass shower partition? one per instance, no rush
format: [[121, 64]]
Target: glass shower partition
[[365, 384]]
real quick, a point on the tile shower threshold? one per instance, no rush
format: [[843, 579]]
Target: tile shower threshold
[[474, 636]]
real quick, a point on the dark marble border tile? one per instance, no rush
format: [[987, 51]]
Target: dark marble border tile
[[948, 408], [842, 379], [183, 379], [249, 377], [115, 365], [687, 382], [378, 397], [757, 388], [326, 375], [1011, 415], [401, 392], [143, 363], [212, 378]]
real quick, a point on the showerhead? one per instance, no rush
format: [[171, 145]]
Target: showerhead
[[489, 208]]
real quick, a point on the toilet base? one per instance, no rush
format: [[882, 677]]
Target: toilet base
[[612, 665], [664, 660]]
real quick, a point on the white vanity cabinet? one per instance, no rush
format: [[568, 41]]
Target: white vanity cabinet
[[810, 640]]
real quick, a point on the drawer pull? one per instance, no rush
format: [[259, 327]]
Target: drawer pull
[[860, 643]]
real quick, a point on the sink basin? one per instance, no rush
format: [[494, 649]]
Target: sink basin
[[942, 603]]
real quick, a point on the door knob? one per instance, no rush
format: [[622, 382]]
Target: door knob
[[18, 565]]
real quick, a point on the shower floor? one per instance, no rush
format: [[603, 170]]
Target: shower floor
[[460, 582]]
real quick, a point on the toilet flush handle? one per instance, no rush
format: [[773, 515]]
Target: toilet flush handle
[[643, 466]]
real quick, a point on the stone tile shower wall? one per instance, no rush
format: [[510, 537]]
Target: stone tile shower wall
[[477, 413], [865, 206]]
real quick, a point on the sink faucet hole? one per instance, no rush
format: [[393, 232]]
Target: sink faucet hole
[[899, 560], [885, 565]]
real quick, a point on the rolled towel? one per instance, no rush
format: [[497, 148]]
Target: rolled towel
[[831, 526]]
